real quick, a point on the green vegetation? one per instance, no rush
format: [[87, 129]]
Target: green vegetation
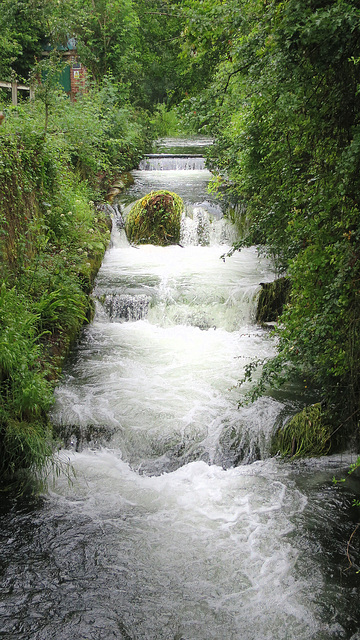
[[155, 219], [306, 434], [57, 158], [136, 42], [283, 102], [277, 84]]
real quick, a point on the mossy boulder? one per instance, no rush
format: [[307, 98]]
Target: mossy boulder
[[155, 219], [273, 296], [307, 434]]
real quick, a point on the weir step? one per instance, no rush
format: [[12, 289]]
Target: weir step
[[173, 155]]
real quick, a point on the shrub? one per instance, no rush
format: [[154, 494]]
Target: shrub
[[25, 393]]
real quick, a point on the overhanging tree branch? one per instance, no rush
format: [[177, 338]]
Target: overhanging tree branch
[[230, 75]]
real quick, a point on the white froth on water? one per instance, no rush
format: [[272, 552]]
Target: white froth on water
[[165, 391], [213, 553], [166, 384], [162, 535]]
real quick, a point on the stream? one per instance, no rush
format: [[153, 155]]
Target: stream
[[172, 521]]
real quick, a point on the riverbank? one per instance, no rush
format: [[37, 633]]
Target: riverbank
[[53, 237], [171, 527]]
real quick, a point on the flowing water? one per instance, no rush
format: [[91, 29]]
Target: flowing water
[[177, 525]]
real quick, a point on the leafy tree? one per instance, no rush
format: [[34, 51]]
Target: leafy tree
[[22, 31], [105, 32], [283, 103], [158, 42], [134, 41]]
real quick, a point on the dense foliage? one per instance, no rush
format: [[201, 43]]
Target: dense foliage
[[52, 240], [284, 106], [136, 42]]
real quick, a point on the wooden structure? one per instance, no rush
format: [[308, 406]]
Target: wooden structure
[[15, 87]]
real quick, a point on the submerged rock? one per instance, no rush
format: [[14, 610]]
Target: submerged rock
[[79, 437]]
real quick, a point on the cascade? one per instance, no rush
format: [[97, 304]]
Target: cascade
[[166, 162], [125, 306], [175, 523]]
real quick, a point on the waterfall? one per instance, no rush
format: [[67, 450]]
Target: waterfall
[[172, 521], [157, 306], [168, 162], [125, 307]]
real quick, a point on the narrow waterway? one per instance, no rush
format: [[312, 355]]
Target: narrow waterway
[[176, 524]]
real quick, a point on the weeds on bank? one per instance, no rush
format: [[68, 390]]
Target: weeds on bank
[[52, 241]]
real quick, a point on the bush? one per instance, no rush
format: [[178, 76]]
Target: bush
[[165, 122], [52, 241], [25, 393]]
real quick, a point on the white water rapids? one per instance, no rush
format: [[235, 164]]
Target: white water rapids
[[165, 533]]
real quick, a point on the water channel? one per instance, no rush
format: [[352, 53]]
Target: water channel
[[176, 524]]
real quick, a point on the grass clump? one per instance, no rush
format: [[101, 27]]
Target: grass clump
[[25, 392], [27, 446], [307, 434], [155, 219]]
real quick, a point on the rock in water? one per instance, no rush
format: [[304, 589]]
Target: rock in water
[[155, 219]]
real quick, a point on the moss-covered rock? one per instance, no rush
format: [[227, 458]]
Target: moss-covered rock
[[118, 185], [155, 219], [307, 434], [273, 296]]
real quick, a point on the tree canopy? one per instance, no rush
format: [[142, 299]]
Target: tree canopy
[[283, 103], [136, 42]]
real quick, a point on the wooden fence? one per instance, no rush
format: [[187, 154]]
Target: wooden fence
[[15, 87]]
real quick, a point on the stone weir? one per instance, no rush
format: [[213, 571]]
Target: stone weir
[[170, 162]]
